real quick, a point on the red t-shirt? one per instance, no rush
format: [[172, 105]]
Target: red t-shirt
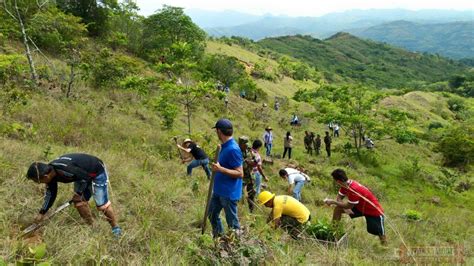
[[359, 195]]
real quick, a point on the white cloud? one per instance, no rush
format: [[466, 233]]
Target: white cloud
[[303, 7]]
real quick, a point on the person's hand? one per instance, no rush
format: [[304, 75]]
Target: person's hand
[[329, 202], [183, 161], [266, 178], [39, 218], [216, 167]]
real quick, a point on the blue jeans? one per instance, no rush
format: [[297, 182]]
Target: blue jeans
[[297, 190], [258, 182], [268, 147], [230, 209], [97, 188], [204, 163]]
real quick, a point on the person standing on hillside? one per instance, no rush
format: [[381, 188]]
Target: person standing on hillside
[[287, 212], [90, 179], [296, 180], [317, 144], [200, 157], [308, 143], [268, 141], [336, 130], [327, 142], [227, 189], [287, 145], [360, 202], [257, 170], [248, 164]]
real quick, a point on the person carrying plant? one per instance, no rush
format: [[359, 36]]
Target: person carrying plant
[[296, 180], [200, 157], [227, 189], [360, 202], [90, 179], [287, 212]]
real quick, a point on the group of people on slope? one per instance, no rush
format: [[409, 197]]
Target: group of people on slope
[[237, 165]]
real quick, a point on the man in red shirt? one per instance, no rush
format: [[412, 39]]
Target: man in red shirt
[[360, 202]]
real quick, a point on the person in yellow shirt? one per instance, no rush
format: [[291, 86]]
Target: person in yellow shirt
[[287, 212]]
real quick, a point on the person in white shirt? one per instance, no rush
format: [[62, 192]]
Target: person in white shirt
[[296, 180]]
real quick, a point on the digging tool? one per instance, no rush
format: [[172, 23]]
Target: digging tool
[[36, 226], [179, 152], [209, 193]]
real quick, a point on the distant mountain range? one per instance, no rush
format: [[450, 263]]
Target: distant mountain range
[[454, 39], [347, 57], [449, 33]]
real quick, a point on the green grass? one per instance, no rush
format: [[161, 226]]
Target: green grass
[[158, 208]]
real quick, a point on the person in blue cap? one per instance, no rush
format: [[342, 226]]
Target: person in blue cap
[[227, 189]]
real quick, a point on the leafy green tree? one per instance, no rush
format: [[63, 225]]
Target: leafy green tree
[[56, 31], [125, 28], [94, 13], [170, 25], [457, 146], [224, 68]]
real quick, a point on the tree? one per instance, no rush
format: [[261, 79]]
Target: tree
[[457, 146], [21, 12], [167, 27], [224, 68], [189, 93], [94, 13]]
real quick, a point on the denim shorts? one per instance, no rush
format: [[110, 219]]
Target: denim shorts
[[96, 188]]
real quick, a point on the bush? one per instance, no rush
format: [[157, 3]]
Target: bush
[[406, 136], [412, 215], [325, 230], [13, 67], [457, 146], [456, 104], [434, 125]]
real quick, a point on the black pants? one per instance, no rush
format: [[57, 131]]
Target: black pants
[[289, 153], [328, 150]]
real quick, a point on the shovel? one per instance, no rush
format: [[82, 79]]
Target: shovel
[[35, 226]]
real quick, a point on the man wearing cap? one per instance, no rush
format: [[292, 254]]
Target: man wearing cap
[[227, 189], [90, 180], [200, 157], [268, 140], [287, 212]]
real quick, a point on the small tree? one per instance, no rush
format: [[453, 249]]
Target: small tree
[[457, 146]]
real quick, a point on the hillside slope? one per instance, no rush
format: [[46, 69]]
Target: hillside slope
[[364, 61], [454, 40]]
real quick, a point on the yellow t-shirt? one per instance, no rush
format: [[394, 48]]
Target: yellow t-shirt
[[289, 206]]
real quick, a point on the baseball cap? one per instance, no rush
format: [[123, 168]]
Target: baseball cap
[[223, 124]]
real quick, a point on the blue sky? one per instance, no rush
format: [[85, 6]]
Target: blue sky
[[303, 7]]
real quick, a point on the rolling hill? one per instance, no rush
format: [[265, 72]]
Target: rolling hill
[[454, 39], [364, 61]]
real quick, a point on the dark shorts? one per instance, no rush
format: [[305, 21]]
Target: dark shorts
[[375, 224]]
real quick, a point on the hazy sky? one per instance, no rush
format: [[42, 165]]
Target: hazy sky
[[303, 7]]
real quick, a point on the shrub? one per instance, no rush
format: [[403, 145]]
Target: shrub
[[434, 125], [456, 104], [12, 67], [412, 215], [325, 230], [457, 146]]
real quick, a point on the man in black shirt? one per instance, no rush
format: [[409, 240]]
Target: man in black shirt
[[200, 157], [90, 180], [327, 142]]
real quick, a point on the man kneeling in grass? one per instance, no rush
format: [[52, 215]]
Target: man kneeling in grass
[[287, 212], [90, 180], [361, 202]]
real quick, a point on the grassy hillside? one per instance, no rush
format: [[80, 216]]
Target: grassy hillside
[[454, 39], [159, 207], [364, 61]]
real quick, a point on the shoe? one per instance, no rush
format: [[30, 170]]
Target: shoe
[[117, 231]]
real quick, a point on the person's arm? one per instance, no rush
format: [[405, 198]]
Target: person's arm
[[49, 198], [234, 173], [290, 189], [342, 204], [184, 149], [260, 170]]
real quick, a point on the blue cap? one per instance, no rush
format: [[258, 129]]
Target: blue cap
[[223, 124]]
